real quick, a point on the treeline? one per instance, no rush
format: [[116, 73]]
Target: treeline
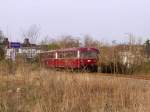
[[1, 45], [126, 58], [69, 41]]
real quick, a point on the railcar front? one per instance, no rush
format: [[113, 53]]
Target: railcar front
[[88, 59]]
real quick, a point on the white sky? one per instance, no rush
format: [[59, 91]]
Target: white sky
[[103, 19]]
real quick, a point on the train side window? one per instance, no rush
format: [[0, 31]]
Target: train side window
[[60, 55], [71, 54], [74, 54], [67, 54], [51, 55], [89, 54], [46, 55]]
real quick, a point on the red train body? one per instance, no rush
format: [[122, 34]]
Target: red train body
[[74, 58]]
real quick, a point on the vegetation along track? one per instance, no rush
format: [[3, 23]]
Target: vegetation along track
[[142, 77], [133, 76]]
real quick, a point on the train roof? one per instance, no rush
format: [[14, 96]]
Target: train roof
[[73, 49]]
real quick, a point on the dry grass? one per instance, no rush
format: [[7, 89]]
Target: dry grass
[[49, 91]]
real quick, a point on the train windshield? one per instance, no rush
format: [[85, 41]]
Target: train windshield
[[89, 54]]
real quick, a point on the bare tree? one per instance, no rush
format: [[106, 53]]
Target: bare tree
[[1, 36], [69, 41], [49, 43], [135, 52], [32, 33], [90, 42], [147, 48]]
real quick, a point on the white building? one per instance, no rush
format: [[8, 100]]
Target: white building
[[29, 53]]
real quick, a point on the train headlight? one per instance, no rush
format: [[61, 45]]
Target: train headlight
[[89, 60]]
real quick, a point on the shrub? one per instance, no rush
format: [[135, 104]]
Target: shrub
[[1, 54]]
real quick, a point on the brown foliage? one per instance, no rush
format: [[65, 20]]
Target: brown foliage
[[41, 90]]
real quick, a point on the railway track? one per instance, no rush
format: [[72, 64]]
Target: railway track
[[142, 77]]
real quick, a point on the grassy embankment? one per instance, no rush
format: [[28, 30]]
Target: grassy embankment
[[34, 89]]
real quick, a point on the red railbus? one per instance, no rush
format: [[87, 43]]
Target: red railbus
[[74, 58]]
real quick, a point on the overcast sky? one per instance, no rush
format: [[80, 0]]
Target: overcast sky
[[103, 19]]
